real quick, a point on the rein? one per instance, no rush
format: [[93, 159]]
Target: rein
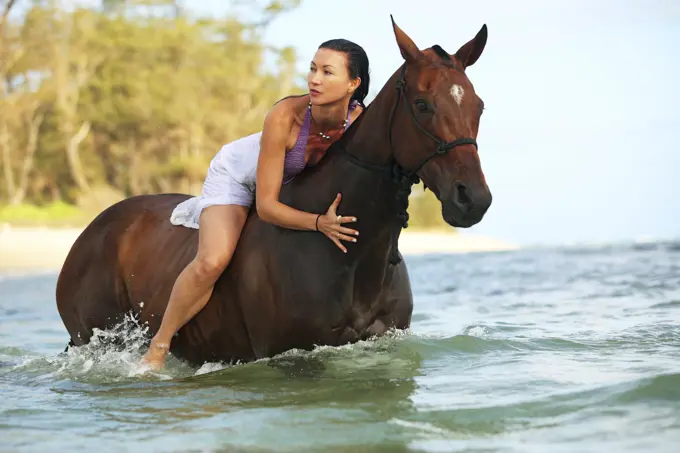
[[403, 179]]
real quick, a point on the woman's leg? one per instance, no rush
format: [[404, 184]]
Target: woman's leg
[[220, 227]]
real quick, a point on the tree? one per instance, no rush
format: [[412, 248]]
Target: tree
[[130, 96]]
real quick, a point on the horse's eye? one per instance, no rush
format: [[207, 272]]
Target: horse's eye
[[423, 106]]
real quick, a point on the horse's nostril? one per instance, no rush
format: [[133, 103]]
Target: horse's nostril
[[463, 199]]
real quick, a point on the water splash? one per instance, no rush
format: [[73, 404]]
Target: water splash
[[115, 356], [112, 355]]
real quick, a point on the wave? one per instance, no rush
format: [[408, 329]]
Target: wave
[[663, 387], [591, 402], [669, 304]]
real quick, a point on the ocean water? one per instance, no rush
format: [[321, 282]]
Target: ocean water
[[541, 350]]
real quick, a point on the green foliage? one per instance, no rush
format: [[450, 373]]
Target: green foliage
[[53, 214], [136, 96]]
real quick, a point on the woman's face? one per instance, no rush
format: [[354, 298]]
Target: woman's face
[[328, 78]]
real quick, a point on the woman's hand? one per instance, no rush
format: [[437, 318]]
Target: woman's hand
[[330, 224]]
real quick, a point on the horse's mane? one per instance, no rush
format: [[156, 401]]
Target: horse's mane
[[444, 55]]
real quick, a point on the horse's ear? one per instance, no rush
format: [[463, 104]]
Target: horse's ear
[[408, 48], [470, 52]]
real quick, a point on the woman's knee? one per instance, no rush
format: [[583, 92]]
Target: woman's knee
[[219, 232], [210, 266]]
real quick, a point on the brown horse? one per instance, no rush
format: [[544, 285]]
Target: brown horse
[[289, 289]]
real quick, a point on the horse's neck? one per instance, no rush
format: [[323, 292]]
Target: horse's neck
[[367, 193], [357, 167], [363, 166], [368, 140]]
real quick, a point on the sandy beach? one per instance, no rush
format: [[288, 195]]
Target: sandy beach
[[25, 249]]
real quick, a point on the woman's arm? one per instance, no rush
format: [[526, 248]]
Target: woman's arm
[[277, 126], [275, 134]]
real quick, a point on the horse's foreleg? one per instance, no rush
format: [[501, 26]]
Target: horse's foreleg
[[397, 304]]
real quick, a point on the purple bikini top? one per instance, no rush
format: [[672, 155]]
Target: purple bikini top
[[294, 162]]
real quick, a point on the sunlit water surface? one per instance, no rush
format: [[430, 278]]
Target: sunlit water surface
[[546, 350]]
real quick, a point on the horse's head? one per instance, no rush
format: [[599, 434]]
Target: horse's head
[[434, 125]]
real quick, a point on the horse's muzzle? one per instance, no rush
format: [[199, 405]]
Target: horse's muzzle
[[464, 207]]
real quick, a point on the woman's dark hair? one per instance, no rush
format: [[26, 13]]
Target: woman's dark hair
[[357, 62]]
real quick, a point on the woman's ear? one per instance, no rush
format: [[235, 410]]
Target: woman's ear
[[354, 84]]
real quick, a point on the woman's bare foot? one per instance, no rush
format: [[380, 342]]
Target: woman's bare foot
[[155, 356]]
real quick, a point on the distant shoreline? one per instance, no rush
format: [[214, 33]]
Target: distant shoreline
[[45, 248]]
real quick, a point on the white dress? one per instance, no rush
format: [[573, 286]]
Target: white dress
[[230, 180]]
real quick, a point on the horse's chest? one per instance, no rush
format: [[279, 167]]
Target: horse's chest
[[337, 316]]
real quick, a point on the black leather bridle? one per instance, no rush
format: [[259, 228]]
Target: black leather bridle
[[443, 147]]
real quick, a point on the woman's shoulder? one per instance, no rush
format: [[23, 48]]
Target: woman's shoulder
[[286, 113], [295, 105], [284, 116]]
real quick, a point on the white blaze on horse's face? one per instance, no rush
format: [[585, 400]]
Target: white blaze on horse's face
[[457, 93]]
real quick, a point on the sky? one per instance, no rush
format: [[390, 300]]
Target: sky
[[582, 103]]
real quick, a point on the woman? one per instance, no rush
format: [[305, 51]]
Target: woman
[[296, 133]]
